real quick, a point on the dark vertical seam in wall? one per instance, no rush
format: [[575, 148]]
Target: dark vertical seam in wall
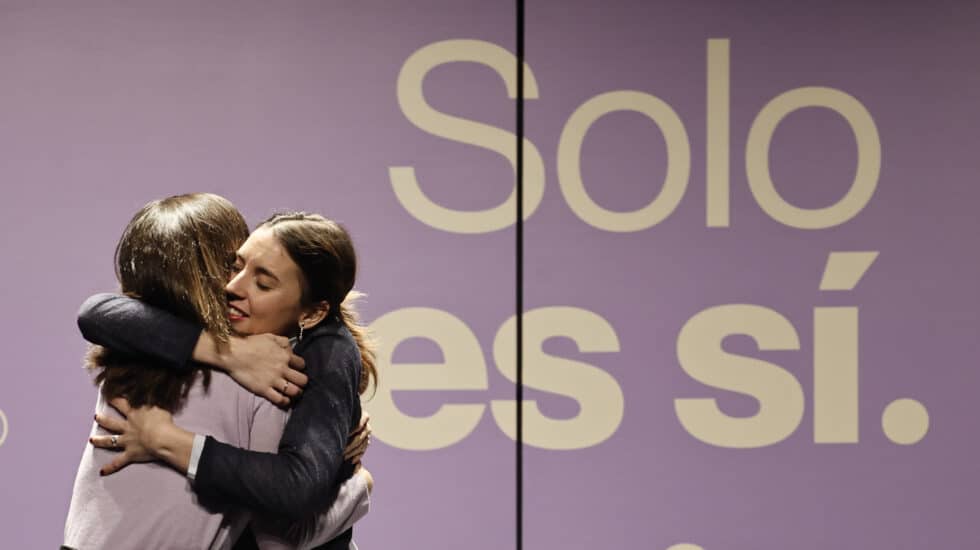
[[519, 262]]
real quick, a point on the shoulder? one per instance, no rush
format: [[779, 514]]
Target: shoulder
[[221, 408], [330, 336], [329, 346], [217, 394]]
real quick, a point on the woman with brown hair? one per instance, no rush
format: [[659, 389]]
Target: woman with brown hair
[[175, 254], [297, 258]]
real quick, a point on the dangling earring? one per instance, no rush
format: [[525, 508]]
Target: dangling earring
[[300, 337]]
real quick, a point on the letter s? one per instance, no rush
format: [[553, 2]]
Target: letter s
[[598, 394], [699, 349], [421, 114]]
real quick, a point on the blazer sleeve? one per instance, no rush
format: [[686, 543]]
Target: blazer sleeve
[[134, 328], [353, 502], [302, 478]]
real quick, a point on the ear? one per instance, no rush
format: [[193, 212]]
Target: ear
[[314, 314]]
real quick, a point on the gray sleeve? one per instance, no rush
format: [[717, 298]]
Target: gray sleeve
[[131, 327]]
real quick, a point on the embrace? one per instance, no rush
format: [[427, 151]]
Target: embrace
[[230, 370]]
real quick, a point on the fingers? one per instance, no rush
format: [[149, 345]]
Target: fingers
[[111, 423], [105, 442], [355, 455], [282, 341], [295, 378], [362, 434], [276, 398], [363, 429], [290, 390], [353, 448], [121, 405], [117, 464], [112, 443], [296, 362], [357, 446]]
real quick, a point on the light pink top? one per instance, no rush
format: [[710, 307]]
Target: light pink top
[[151, 505]]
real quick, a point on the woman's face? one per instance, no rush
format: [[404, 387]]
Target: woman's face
[[265, 289]]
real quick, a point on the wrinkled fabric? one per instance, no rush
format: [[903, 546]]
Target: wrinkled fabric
[[304, 476]]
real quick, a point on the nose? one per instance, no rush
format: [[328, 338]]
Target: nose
[[236, 287]]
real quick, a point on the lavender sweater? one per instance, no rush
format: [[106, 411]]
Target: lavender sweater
[[153, 506]]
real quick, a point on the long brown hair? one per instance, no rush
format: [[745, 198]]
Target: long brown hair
[[175, 254], [324, 252]]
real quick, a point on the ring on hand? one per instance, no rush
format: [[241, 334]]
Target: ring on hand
[[285, 386], [114, 440]]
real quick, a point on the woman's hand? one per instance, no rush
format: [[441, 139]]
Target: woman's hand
[[357, 444], [142, 435], [264, 364], [359, 439], [134, 434]]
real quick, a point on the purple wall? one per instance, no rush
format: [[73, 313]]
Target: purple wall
[[298, 105]]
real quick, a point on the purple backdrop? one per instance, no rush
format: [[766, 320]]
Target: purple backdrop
[[299, 105]]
